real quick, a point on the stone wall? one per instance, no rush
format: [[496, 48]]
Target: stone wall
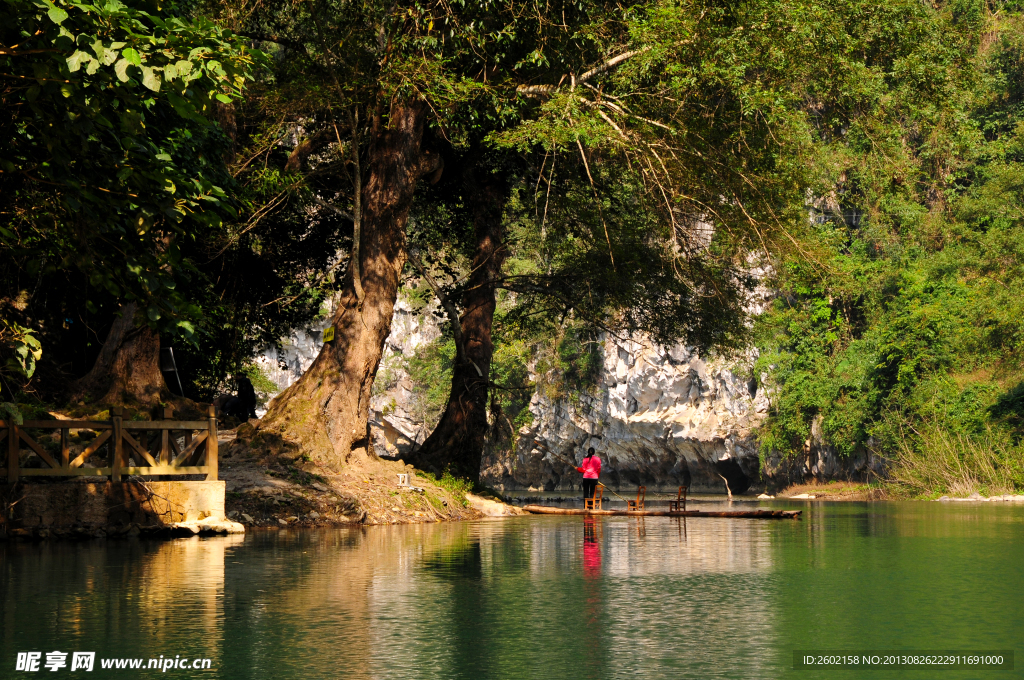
[[96, 509]]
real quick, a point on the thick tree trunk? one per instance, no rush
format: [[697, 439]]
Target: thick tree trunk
[[324, 415], [127, 370], [456, 444]]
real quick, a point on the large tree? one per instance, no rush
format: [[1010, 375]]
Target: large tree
[[481, 187], [691, 119], [396, 82]]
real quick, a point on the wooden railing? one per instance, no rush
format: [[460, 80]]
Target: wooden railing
[[124, 447]]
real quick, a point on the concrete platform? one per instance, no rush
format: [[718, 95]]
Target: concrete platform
[[84, 509]]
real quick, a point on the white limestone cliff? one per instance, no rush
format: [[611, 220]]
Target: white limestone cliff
[[659, 416]]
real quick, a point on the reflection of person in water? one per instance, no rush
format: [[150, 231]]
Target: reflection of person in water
[[591, 547], [593, 597]]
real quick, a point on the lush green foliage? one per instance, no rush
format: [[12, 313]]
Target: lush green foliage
[[430, 372], [456, 486], [261, 383], [109, 163], [900, 327], [430, 369], [935, 460], [658, 154], [22, 348], [132, 171], [267, 272]]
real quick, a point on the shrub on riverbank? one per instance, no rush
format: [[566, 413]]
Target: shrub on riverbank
[[933, 461], [456, 486]]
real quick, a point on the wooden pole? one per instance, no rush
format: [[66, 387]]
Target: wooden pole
[[115, 463], [752, 514], [13, 451], [211, 447], [165, 439], [187, 434], [64, 448]]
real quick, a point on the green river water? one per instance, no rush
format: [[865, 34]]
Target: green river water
[[535, 597]]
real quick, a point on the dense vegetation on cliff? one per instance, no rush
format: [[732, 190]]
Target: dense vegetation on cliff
[[900, 331]]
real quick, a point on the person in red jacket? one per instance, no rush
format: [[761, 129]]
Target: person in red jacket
[[591, 469]]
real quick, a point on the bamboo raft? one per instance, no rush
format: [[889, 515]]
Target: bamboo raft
[[750, 514]]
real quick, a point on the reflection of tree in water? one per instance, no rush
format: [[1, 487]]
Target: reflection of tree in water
[[142, 598], [460, 560], [520, 598], [461, 564]]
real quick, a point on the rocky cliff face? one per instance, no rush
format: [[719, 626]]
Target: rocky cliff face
[[394, 417], [286, 362], [658, 416], [664, 417]]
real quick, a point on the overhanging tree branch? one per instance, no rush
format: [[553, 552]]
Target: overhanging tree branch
[[587, 75]]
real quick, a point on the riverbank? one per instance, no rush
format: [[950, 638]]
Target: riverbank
[[262, 495], [251, 490], [834, 491], [847, 491]]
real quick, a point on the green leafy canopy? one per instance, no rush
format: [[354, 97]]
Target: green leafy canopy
[[105, 145]]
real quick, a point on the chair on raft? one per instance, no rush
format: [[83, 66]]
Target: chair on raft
[[638, 504], [679, 504], [595, 502]]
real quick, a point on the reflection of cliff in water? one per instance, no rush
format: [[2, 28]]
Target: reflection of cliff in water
[[600, 594], [519, 598]]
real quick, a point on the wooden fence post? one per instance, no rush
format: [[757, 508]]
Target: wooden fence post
[[13, 451], [65, 448], [211, 447], [165, 439], [115, 463]]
